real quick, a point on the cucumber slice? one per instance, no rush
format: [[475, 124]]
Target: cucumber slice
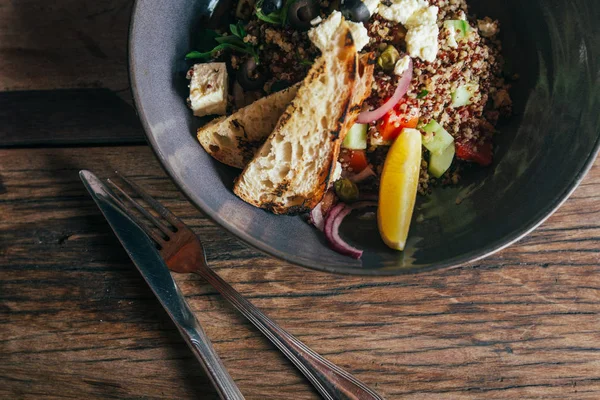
[[460, 26], [440, 162], [439, 138], [356, 138], [462, 95]]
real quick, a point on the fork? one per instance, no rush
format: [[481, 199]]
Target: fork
[[183, 253]]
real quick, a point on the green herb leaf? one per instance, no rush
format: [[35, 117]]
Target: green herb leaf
[[422, 94], [231, 40], [284, 10], [212, 43], [306, 62], [273, 18], [209, 54], [234, 29], [241, 29], [193, 55]]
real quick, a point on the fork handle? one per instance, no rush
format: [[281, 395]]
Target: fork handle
[[332, 382]]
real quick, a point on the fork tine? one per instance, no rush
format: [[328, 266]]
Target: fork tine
[[159, 208], [158, 240], [165, 230]]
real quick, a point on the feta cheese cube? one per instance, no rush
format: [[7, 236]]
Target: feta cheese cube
[[422, 42], [359, 34], [423, 16], [420, 20], [208, 89], [401, 10], [371, 6], [401, 65], [322, 34]]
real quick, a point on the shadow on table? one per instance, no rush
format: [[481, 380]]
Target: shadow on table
[[113, 298]]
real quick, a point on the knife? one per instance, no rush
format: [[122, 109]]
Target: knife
[[148, 261]]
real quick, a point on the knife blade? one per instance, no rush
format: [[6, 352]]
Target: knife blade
[[145, 256]]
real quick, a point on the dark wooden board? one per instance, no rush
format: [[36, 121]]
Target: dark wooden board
[[64, 44], [66, 117], [77, 321], [49, 48]]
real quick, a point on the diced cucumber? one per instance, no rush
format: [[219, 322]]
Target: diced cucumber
[[440, 162], [463, 94], [356, 138], [461, 28], [437, 139]]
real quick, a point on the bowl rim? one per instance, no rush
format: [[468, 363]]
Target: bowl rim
[[467, 258]]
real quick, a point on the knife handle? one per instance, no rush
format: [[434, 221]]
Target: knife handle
[[201, 346]]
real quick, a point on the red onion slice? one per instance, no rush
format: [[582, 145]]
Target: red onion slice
[[362, 175], [332, 227], [333, 235], [367, 117], [331, 215]]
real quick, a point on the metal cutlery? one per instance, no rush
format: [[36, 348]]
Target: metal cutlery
[[148, 261], [183, 253]]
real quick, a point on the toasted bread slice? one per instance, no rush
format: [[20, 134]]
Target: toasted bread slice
[[366, 65], [233, 140], [292, 170]]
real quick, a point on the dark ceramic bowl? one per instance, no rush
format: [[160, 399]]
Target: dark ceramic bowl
[[541, 154]]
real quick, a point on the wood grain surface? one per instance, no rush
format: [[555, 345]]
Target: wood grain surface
[[64, 44], [78, 46], [77, 320], [67, 117]]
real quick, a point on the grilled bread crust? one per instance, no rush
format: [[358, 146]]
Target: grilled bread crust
[[233, 140], [292, 170]]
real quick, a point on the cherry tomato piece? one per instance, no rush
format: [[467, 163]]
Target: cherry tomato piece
[[480, 153], [354, 159]]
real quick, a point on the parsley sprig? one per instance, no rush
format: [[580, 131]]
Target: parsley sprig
[[234, 42], [278, 17]]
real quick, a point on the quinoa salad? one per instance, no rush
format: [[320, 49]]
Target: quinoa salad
[[435, 92]]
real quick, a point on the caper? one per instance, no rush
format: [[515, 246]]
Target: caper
[[346, 190], [388, 58]]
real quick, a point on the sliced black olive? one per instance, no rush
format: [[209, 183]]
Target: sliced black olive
[[215, 14], [244, 9], [269, 6], [355, 10], [301, 12], [248, 76]]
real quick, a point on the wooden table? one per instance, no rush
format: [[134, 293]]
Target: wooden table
[[77, 320]]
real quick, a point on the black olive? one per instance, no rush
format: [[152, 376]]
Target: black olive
[[248, 77], [269, 6], [334, 5], [301, 12], [355, 10]]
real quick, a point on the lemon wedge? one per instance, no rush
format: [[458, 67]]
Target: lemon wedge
[[398, 188]]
